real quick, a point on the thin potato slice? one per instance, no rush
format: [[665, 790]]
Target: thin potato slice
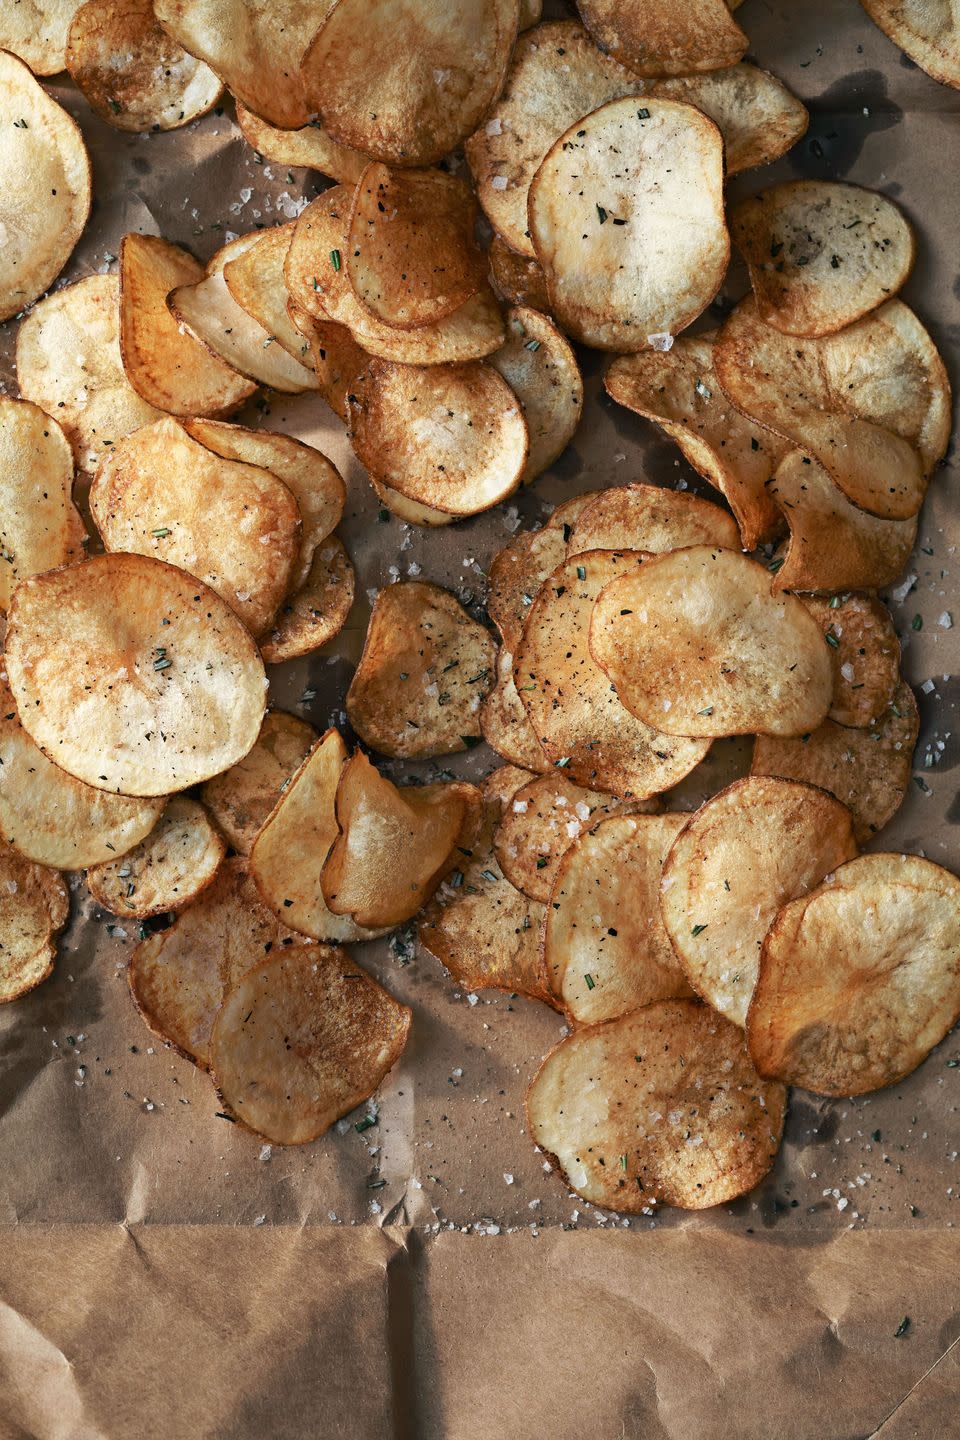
[[821, 254], [317, 612], [695, 642], [656, 37], [517, 279], [926, 30], [310, 145], [505, 725], [409, 510], [649, 518], [516, 574], [337, 359], [864, 653], [575, 712], [301, 1040], [133, 676], [659, 1107], [34, 907], [40, 527], [746, 852], [164, 363], [254, 277], [36, 30], [640, 250], [541, 369], [242, 797], [423, 675], [167, 870], [759, 118]]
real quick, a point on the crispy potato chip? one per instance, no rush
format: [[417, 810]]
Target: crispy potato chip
[[34, 907], [409, 510], [864, 653], [133, 676], [747, 851], [236, 527], [867, 769], [759, 118], [516, 574], [242, 797], [678, 390], [517, 279], [695, 642], [574, 709], [541, 369], [926, 30], [336, 357], [301, 1040], [407, 80], [317, 612], [647, 517], [642, 250], [45, 199], [453, 438], [167, 870], [654, 37], [39, 524], [605, 950], [310, 146], [821, 254], [661, 1106], [424, 672], [394, 846], [255, 280], [164, 363], [859, 979], [36, 30], [505, 725]]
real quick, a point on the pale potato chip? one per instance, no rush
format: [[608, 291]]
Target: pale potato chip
[[45, 199], [926, 30], [688, 1121], [655, 37], [864, 653], [516, 574], [678, 390], [316, 613], [423, 675], [34, 907], [695, 642], [541, 369], [236, 527], [336, 357], [574, 709], [180, 976], [176, 861], [409, 510], [39, 524], [647, 517], [254, 277], [453, 438], [747, 851], [36, 30], [164, 363], [605, 950], [310, 145], [517, 279], [132, 676], [242, 797], [867, 769], [505, 725], [640, 250], [301, 1040]]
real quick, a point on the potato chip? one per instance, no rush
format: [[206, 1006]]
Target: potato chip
[[574, 709], [242, 797], [653, 37], [310, 146], [695, 642], [37, 32], [516, 574], [409, 510], [316, 613], [678, 390], [39, 524], [132, 676], [424, 672], [662, 1106], [34, 907], [406, 80], [255, 280], [647, 517], [236, 527], [639, 251], [541, 369], [336, 357], [180, 976], [517, 279], [864, 653], [505, 725], [167, 870], [747, 851], [46, 193], [164, 363], [759, 118], [926, 30], [453, 438], [301, 1040]]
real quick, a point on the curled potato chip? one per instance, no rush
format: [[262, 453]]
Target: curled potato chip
[[695, 642], [641, 251], [649, 518], [176, 861], [504, 723], [654, 37], [541, 369], [864, 653], [926, 30], [254, 278], [242, 797], [310, 145], [868, 769], [424, 672], [453, 438], [164, 363], [747, 851], [133, 676], [605, 949], [678, 390], [317, 612], [518, 279], [574, 710], [821, 254], [236, 527], [45, 199], [37, 32], [688, 1121], [301, 1040], [40, 527], [516, 574], [34, 906], [337, 359]]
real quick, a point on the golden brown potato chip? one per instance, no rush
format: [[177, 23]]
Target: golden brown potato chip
[[317, 612], [505, 725], [659, 1107], [236, 527], [34, 906], [864, 653], [574, 709], [407, 80], [39, 524], [516, 574], [926, 30], [254, 278], [647, 517], [747, 851], [45, 199], [336, 357], [640, 251], [695, 642], [167, 870], [541, 369], [656, 37], [424, 672], [132, 676], [310, 146], [517, 279], [164, 363], [759, 118], [36, 30], [301, 1040], [242, 797], [821, 254], [678, 390]]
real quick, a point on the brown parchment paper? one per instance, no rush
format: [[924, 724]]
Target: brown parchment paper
[[162, 1274]]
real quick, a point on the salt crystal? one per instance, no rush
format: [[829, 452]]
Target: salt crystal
[[663, 340], [499, 182]]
